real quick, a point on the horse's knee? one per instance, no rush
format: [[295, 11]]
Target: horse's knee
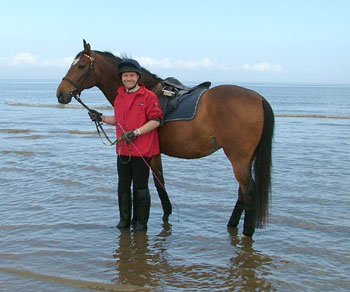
[[243, 175], [248, 195]]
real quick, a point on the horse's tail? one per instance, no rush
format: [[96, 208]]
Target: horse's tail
[[262, 166]]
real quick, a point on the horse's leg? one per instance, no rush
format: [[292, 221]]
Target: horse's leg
[[237, 211], [160, 185], [250, 211], [246, 198]]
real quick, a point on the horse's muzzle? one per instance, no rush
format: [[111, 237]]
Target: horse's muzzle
[[63, 98]]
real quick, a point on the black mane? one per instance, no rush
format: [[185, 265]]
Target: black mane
[[123, 57], [148, 78], [106, 54], [110, 55]]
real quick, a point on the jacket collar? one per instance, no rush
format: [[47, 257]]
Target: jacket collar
[[122, 89]]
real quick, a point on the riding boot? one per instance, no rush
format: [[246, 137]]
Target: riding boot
[[143, 205], [134, 208], [124, 200]]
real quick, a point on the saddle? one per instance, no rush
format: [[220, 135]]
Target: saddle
[[172, 91]]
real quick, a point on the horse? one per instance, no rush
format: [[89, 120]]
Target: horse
[[233, 118]]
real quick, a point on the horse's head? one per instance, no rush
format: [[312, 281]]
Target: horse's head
[[80, 76]]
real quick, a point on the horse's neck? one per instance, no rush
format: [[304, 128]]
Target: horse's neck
[[109, 81], [109, 87], [109, 90], [149, 81]]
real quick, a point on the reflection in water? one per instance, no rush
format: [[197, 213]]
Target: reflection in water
[[248, 268], [145, 262], [139, 263]]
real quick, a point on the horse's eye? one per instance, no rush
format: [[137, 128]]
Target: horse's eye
[[80, 67]]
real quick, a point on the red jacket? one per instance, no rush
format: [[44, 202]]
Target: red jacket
[[133, 110]]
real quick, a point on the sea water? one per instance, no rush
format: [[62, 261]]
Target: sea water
[[59, 203]]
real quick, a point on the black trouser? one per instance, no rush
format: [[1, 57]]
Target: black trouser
[[135, 171]]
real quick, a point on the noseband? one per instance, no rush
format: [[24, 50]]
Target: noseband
[[77, 97], [82, 78]]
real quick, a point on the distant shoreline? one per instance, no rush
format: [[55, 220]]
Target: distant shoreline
[[214, 83]]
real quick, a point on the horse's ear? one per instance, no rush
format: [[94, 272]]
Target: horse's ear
[[87, 48]]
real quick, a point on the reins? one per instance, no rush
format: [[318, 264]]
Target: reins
[[98, 124], [99, 127], [77, 84]]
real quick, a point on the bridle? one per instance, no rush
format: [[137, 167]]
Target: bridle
[[82, 78], [78, 93], [98, 124]]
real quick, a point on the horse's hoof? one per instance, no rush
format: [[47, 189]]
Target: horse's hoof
[[123, 225], [232, 230], [166, 226], [140, 227], [165, 218]]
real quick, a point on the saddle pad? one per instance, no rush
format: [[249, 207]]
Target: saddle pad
[[186, 106]]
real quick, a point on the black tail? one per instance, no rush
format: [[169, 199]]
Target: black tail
[[262, 166]]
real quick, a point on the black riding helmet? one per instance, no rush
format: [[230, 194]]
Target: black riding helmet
[[129, 65]]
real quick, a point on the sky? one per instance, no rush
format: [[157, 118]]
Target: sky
[[277, 41]]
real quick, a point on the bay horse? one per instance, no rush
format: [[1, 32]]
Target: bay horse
[[236, 119]]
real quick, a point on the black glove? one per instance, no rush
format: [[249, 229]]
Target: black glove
[[128, 136], [95, 116]]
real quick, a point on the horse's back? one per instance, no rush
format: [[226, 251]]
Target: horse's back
[[228, 116], [234, 101], [237, 115], [233, 92]]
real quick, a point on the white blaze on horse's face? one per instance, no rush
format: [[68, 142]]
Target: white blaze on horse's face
[[76, 61]]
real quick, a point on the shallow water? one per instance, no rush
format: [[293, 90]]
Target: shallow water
[[59, 203]]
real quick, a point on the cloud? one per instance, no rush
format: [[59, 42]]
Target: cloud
[[183, 64], [206, 62], [194, 64], [148, 61], [263, 67], [24, 58], [27, 58], [60, 63]]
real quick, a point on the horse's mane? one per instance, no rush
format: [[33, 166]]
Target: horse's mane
[[110, 56], [118, 60], [106, 54]]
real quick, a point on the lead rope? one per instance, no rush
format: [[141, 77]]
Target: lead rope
[[98, 125], [153, 173]]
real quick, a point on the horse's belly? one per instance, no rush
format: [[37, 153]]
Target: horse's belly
[[184, 141]]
